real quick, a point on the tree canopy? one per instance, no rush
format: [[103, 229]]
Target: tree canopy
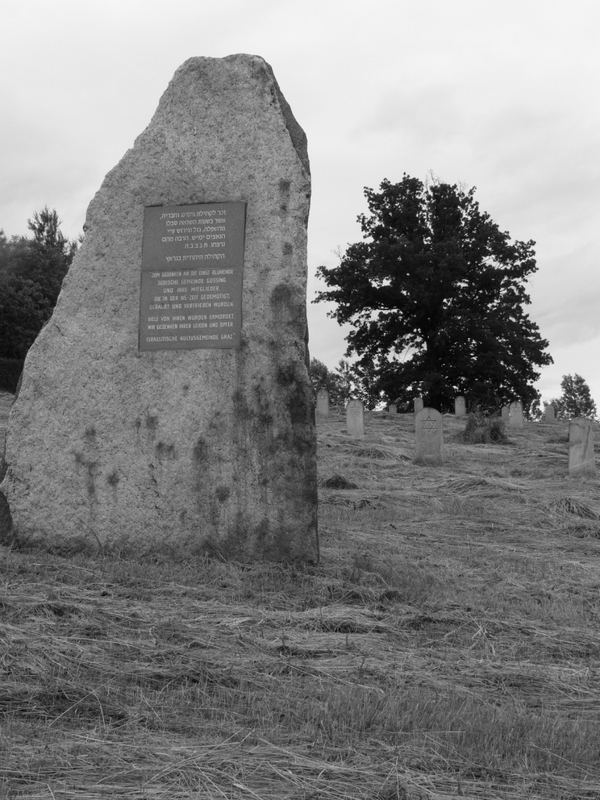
[[344, 382], [435, 295], [31, 274], [575, 400]]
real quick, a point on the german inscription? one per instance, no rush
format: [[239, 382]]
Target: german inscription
[[191, 284]]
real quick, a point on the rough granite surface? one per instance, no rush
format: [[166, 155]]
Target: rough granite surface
[[179, 451]]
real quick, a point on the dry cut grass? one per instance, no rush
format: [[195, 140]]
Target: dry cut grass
[[447, 646]]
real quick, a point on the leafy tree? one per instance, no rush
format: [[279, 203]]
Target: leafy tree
[[31, 274], [347, 381], [323, 378], [362, 382], [435, 295], [49, 254], [576, 399], [11, 253]]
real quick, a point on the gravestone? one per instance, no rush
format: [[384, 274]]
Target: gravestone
[[418, 404], [581, 446], [505, 413], [392, 408], [428, 437], [322, 403], [515, 414], [549, 413], [355, 424], [460, 406], [167, 402]]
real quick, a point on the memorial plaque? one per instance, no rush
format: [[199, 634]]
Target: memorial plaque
[[191, 283]]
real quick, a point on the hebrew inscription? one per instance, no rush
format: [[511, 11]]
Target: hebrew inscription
[[191, 283]]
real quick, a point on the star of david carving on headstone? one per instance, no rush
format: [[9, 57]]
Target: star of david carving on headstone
[[430, 424]]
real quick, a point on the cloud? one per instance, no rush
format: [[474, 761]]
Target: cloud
[[500, 96]]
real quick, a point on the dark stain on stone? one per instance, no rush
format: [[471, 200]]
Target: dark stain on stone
[[286, 374], [240, 406], [90, 432], [165, 451], [281, 296], [263, 411], [200, 451], [287, 249], [300, 407], [151, 422], [113, 478], [185, 388], [91, 468], [286, 305], [284, 191], [6, 524], [281, 304], [222, 493], [217, 422]]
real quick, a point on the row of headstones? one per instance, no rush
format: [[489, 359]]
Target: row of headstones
[[512, 414], [429, 438]]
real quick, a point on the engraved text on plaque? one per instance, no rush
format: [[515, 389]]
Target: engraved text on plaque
[[191, 285]]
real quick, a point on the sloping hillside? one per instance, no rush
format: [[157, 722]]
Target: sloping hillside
[[448, 645]]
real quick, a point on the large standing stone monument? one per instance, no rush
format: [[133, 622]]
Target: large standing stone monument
[[167, 403], [428, 436], [418, 404], [581, 446]]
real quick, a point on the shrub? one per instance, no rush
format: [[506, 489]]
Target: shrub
[[481, 429]]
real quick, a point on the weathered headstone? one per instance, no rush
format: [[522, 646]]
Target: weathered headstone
[[515, 414], [428, 437], [322, 403], [460, 406], [505, 414], [392, 408], [167, 403], [581, 446], [550, 413], [355, 424], [418, 404]]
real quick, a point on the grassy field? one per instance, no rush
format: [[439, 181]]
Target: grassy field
[[448, 645]]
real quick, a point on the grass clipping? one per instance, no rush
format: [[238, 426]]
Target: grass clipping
[[447, 646]]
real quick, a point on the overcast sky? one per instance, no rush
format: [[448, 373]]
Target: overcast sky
[[497, 94]]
